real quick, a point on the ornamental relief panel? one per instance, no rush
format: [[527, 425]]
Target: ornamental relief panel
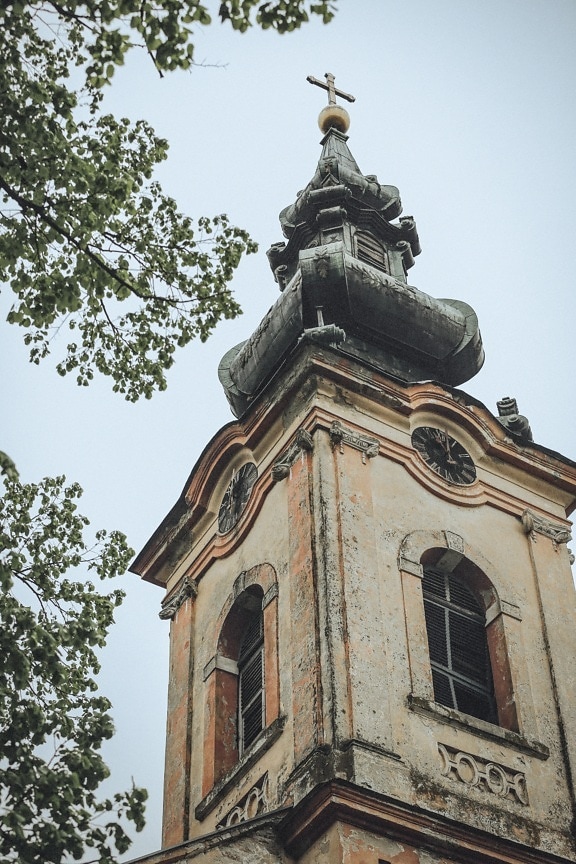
[[250, 806], [483, 774]]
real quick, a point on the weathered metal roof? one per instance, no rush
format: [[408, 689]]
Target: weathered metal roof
[[344, 267]]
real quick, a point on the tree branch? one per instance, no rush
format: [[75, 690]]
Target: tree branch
[[67, 15], [40, 211]]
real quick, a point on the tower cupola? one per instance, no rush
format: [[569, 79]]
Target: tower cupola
[[342, 273]]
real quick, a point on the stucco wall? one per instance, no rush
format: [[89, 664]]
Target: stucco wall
[[343, 531]]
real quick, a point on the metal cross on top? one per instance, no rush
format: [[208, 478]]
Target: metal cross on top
[[332, 90]]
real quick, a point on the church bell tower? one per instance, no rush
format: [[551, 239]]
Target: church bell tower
[[371, 608]]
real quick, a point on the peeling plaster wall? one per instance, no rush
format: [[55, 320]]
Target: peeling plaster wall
[[354, 679]]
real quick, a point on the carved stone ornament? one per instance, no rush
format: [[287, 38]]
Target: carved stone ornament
[[281, 276], [369, 277], [322, 262], [482, 774], [296, 282], [533, 524], [454, 542], [170, 605], [339, 435], [302, 443], [326, 334], [251, 805], [512, 421]]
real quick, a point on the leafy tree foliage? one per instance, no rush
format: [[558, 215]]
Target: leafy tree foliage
[[88, 240], [89, 243], [52, 720]]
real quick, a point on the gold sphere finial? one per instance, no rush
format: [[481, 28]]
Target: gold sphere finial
[[334, 116]]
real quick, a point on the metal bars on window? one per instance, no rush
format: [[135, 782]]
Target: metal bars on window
[[456, 629], [251, 683]]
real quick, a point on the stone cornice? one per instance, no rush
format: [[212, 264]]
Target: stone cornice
[[262, 828], [340, 801]]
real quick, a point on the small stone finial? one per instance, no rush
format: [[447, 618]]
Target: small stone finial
[[332, 115], [512, 420]]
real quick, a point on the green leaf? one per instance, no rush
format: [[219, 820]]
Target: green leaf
[[54, 719]]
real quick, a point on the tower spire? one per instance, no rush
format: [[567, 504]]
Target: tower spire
[[345, 263]]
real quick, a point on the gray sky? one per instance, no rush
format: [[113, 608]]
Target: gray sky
[[468, 107]]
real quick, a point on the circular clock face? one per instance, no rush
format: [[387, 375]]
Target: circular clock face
[[444, 455], [236, 497]]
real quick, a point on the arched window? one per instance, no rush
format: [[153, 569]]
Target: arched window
[[465, 663], [242, 707], [239, 680], [459, 653]]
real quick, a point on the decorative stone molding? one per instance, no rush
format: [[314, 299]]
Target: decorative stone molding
[[296, 281], [406, 251], [510, 609], [170, 605], [339, 435], [483, 774], [261, 574], [367, 276], [370, 277], [408, 566], [281, 468], [325, 334], [455, 546], [280, 274], [281, 270], [250, 806], [332, 238], [225, 664], [270, 595], [454, 541], [479, 728], [533, 524], [502, 607]]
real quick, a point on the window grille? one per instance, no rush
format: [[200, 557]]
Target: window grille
[[251, 683], [456, 629]]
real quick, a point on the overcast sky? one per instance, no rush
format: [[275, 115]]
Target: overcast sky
[[468, 106]]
